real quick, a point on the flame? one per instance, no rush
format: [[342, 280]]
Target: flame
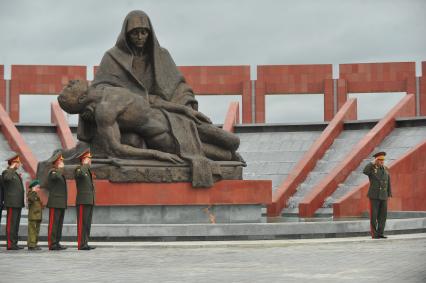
[[212, 218]]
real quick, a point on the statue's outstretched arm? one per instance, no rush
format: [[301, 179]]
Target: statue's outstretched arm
[[197, 116], [111, 134]]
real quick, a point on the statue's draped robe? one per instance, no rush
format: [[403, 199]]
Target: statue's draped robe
[[153, 73]]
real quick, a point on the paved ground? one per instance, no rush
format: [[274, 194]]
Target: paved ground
[[401, 258]]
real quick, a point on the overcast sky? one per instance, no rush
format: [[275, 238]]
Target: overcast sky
[[221, 32]]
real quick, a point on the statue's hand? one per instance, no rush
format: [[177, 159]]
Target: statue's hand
[[202, 117], [87, 115], [164, 156], [198, 117]]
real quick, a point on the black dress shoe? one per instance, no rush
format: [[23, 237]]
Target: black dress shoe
[[383, 237], [13, 248], [85, 248], [61, 247], [36, 248], [54, 248]]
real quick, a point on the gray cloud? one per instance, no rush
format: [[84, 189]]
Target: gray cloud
[[219, 32]]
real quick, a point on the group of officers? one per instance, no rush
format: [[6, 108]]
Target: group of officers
[[12, 195], [12, 198]]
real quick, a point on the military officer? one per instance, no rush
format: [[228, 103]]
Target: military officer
[[378, 193], [57, 202], [13, 200], [85, 200], [35, 209], [1, 198]]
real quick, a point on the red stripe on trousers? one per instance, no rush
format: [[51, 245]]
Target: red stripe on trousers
[[9, 220], [51, 217], [371, 216], [80, 226]]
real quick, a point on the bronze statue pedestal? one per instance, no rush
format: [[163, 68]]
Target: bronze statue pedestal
[[153, 171]]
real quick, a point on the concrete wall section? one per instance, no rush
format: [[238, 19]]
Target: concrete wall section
[[309, 160], [273, 155], [169, 214]]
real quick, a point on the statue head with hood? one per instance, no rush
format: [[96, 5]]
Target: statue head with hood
[[137, 34], [138, 29]]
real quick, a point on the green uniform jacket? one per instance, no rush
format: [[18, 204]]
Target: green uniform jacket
[[14, 192], [380, 186], [85, 188], [57, 187], [34, 206], [1, 193]]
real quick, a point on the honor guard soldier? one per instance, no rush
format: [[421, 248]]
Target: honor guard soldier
[[378, 193], [1, 198], [57, 202], [35, 210], [13, 200], [85, 200]]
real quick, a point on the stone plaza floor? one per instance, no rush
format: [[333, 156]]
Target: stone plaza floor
[[401, 258]]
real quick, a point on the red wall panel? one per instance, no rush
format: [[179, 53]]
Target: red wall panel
[[294, 79], [423, 90], [40, 79], [376, 77], [2, 87]]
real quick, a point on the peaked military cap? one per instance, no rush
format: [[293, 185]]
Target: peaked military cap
[[13, 158], [85, 154], [57, 154], [380, 155]]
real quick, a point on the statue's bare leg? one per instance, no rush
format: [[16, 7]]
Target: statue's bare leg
[[216, 153], [214, 135]]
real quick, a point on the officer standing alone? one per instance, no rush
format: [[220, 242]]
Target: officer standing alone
[[85, 200], [378, 193]]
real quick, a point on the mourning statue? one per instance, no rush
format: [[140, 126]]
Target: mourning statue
[[140, 116]]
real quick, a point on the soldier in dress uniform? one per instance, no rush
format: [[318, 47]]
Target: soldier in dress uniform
[[13, 200], [57, 202], [35, 210], [378, 193], [1, 198], [85, 200]]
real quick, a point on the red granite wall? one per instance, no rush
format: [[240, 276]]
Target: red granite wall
[[235, 80], [40, 79], [2, 87], [422, 91], [222, 80], [294, 79], [375, 77]]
